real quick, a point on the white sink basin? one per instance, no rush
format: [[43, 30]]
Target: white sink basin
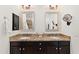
[[24, 38], [54, 37]]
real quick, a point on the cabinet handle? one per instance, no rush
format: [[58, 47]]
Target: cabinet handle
[[20, 49], [23, 49], [56, 48], [59, 48]]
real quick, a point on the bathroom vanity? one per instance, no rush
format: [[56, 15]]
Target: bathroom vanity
[[40, 44]]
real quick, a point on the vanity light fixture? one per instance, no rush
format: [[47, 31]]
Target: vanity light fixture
[[53, 7], [24, 7]]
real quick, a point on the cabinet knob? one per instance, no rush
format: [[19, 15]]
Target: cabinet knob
[[59, 48], [23, 49], [39, 48], [40, 43], [20, 49], [56, 48]]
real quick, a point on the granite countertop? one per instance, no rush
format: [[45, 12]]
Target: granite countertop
[[40, 37]]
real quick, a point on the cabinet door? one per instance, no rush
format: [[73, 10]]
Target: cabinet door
[[15, 47], [43, 50], [52, 47], [52, 50], [15, 50], [39, 50], [27, 50], [36, 50], [64, 47], [64, 50]]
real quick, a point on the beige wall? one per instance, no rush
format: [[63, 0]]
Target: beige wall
[[6, 29]]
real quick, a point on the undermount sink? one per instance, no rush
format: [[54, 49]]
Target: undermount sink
[[24, 38], [55, 37]]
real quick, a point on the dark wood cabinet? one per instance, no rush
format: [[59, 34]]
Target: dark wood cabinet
[[40, 47]]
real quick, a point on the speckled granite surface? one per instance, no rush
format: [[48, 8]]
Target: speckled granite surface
[[40, 37]]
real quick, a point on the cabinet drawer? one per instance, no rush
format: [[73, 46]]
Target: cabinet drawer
[[64, 43], [52, 43], [42, 44], [15, 44], [37, 44]]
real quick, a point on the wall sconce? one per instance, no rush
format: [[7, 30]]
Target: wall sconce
[[54, 7], [67, 18], [25, 7]]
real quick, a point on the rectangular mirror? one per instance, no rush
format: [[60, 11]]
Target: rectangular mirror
[[28, 21], [51, 19]]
